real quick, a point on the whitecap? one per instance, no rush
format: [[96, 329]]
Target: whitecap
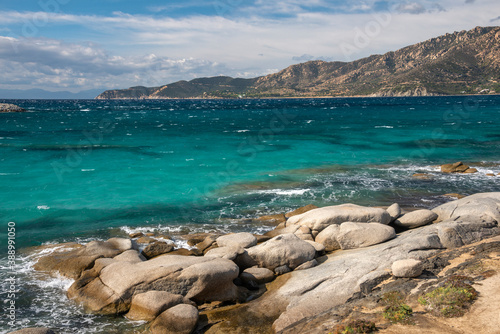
[[242, 131], [384, 126], [88, 170], [43, 207]]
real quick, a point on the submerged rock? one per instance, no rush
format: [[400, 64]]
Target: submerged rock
[[457, 167]]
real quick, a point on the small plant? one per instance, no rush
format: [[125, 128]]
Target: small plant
[[355, 327], [450, 300], [396, 310]]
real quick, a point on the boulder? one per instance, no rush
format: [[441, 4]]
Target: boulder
[[201, 279], [422, 176], [72, 263], [307, 265], [121, 244], [321, 218], [226, 252], [285, 249], [157, 248], [408, 268], [272, 219], [416, 218], [285, 230], [458, 233], [186, 252], [355, 235], [257, 275], [33, 330], [145, 240], [147, 306], [206, 243], [180, 319], [128, 256], [301, 210], [482, 207], [320, 248], [328, 238], [243, 239], [394, 211]]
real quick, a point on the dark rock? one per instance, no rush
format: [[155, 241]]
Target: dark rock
[[157, 248]]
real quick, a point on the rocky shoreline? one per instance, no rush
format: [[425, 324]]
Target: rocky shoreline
[[308, 275]]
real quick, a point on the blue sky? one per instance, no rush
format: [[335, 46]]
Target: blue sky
[[77, 45]]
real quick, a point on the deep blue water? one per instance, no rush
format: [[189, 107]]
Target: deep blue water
[[80, 170]]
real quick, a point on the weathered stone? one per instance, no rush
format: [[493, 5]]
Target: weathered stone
[[145, 240], [226, 252], [262, 238], [7, 107], [33, 330], [457, 233], [416, 218], [201, 279], [284, 230], [281, 270], [186, 252], [470, 170], [407, 268], [320, 248], [307, 265], [206, 243], [319, 219], [157, 248], [422, 176], [121, 244], [243, 239], [394, 211], [129, 256], [457, 167], [72, 263], [147, 306], [328, 238], [272, 219], [257, 275], [354, 235], [135, 235], [483, 207], [180, 319], [286, 249], [301, 210]]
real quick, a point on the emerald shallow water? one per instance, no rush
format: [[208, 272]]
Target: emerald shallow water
[[84, 170]]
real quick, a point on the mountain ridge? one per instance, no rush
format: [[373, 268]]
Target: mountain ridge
[[464, 62]]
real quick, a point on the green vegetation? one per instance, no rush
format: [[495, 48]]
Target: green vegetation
[[450, 300], [355, 327], [396, 310]]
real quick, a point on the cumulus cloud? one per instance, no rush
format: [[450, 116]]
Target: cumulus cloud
[[411, 8]]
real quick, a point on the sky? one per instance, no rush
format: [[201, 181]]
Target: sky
[[77, 45]]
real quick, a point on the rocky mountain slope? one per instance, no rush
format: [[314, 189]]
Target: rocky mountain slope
[[465, 62]]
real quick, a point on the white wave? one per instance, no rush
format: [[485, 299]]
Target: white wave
[[242, 131], [9, 173], [85, 109], [291, 192], [88, 170], [384, 127], [43, 207]]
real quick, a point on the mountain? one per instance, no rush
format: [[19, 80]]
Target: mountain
[[41, 94], [465, 62]]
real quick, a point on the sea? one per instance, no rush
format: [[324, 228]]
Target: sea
[[82, 170]]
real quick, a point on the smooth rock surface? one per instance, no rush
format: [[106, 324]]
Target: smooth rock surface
[[321, 218], [394, 211], [257, 275], [328, 238], [482, 207], [180, 319], [355, 235], [201, 279], [285, 249], [243, 239], [157, 248], [408, 268], [147, 306], [416, 218]]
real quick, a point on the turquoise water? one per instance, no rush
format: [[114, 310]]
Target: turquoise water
[[81, 170]]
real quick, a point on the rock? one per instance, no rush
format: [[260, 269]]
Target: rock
[[457, 233], [145, 240], [33, 330], [394, 211], [457, 167], [272, 219], [455, 195], [157, 248], [490, 174], [262, 238], [186, 252], [147, 306], [301, 210], [354, 235], [257, 275], [129, 256], [72, 263], [193, 239], [136, 235], [279, 231], [180, 319], [121, 244], [307, 265], [416, 218], [281, 270], [285, 249], [422, 176], [242, 239], [319, 219], [206, 243], [408, 268], [226, 252], [320, 248], [478, 208], [7, 107], [201, 279], [328, 238]]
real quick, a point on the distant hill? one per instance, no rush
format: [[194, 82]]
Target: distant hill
[[465, 62], [41, 94]]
